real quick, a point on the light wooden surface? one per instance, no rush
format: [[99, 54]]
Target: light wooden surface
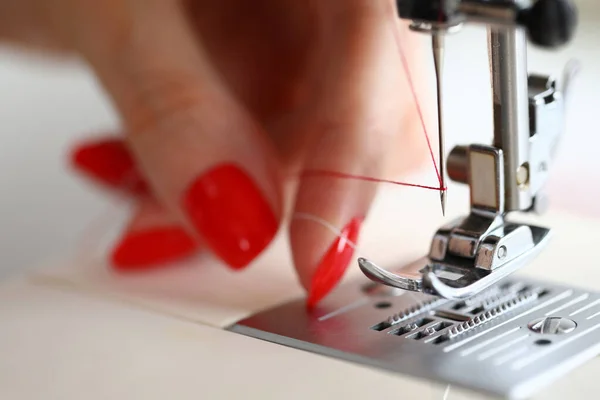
[[63, 346]]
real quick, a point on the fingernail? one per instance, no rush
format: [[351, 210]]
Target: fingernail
[[334, 263], [231, 214], [110, 163], [148, 249]]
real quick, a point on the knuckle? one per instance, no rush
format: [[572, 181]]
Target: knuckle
[[149, 86], [160, 97], [155, 88]]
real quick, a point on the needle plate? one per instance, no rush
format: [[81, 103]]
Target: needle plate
[[508, 341]]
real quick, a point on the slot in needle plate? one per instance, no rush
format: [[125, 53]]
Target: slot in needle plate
[[509, 341]]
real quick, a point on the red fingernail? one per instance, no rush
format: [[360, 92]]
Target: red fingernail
[[110, 163], [146, 249], [334, 263], [231, 214]]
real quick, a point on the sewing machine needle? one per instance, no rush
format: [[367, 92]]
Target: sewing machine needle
[[438, 58]]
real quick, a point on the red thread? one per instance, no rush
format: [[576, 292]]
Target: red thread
[[332, 174], [415, 99], [341, 175]]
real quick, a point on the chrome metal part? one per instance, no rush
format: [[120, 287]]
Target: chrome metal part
[[456, 278], [426, 27], [416, 309], [553, 325], [499, 14], [519, 300], [437, 41], [509, 341], [466, 257], [508, 68], [569, 74], [505, 177], [487, 179]]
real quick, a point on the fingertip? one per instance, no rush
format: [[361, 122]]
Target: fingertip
[[152, 239], [109, 163], [231, 213], [150, 249], [321, 277], [100, 154]]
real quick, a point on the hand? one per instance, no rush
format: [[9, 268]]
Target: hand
[[222, 101]]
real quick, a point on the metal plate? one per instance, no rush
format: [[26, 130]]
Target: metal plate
[[496, 343]]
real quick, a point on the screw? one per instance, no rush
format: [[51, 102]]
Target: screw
[[523, 175], [502, 252], [552, 325]]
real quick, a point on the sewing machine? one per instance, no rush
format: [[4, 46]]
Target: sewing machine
[[459, 316]]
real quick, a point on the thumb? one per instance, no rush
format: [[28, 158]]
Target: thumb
[[203, 155]]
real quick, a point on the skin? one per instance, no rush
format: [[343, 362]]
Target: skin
[[276, 85]]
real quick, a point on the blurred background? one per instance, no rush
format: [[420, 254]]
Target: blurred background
[[47, 105]]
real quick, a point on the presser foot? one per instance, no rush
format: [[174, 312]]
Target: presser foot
[[466, 257]]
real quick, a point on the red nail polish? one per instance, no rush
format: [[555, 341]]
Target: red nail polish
[[147, 249], [110, 163], [334, 263], [231, 214]]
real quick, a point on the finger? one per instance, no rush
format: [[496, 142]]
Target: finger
[[357, 115], [205, 158], [152, 239], [109, 163]]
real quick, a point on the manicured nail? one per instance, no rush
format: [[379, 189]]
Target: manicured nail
[[110, 163], [231, 214], [334, 263], [148, 249]]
